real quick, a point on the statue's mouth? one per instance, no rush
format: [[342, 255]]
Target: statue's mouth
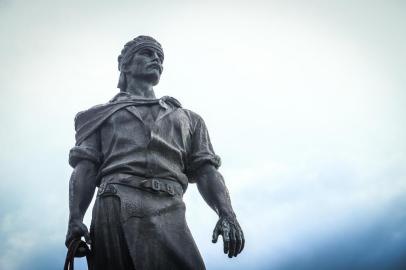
[[156, 66]]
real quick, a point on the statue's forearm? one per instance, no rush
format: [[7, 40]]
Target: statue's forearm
[[81, 189], [214, 191]]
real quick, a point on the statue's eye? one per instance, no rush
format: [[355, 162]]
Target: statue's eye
[[145, 52]]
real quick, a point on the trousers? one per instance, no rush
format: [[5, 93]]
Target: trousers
[[134, 229]]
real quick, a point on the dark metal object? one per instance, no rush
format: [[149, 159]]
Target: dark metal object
[[142, 152], [77, 248]]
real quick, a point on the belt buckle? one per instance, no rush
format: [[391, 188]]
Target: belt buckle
[[106, 189], [102, 188], [170, 189], [156, 185], [110, 189]]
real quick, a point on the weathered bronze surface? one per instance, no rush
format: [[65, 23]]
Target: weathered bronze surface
[[141, 153]]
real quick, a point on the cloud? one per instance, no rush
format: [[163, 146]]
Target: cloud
[[305, 103]]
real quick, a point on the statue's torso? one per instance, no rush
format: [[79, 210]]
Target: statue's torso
[[146, 140]]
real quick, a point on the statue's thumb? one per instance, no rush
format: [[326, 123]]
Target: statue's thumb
[[87, 238]]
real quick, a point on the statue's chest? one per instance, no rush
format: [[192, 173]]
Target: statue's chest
[[142, 124]]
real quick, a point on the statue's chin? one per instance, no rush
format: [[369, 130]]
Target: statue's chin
[[154, 81], [152, 78]]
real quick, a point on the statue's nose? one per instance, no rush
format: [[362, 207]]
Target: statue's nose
[[155, 56]]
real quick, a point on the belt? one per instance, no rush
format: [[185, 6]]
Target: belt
[[156, 185]]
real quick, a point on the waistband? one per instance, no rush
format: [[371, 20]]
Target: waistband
[[156, 185]]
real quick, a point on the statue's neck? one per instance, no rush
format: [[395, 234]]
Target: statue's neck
[[140, 88]]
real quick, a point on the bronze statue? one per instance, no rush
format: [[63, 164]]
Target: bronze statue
[[142, 152]]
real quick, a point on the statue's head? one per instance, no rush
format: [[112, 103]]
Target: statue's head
[[141, 58]]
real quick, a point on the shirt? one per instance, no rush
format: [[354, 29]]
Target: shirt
[[173, 146]]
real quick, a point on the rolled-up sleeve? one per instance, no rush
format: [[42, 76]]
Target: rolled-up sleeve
[[201, 150], [89, 150]]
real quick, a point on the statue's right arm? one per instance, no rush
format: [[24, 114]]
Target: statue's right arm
[[82, 186], [85, 160]]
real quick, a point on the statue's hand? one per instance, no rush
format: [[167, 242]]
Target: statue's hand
[[76, 229], [233, 237]]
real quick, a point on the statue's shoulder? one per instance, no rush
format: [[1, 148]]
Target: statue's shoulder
[[172, 101], [190, 113], [88, 121], [175, 103], [88, 114], [97, 114], [193, 117], [89, 110]]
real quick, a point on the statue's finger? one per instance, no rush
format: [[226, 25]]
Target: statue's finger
[[83, 227], [215, 235], [232, 244], [85, 233], [238, 243], [243, 244], [226, 240]]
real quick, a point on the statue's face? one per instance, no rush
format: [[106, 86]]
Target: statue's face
[[146, 64]]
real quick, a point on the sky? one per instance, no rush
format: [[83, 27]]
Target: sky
[[305, 102]]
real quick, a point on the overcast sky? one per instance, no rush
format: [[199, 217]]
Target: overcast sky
[[305, 102]]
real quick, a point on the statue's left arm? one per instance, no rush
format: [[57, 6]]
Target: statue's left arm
[[212, 187], [202, 169]]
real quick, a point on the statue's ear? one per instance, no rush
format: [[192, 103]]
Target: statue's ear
[[124, 68]]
